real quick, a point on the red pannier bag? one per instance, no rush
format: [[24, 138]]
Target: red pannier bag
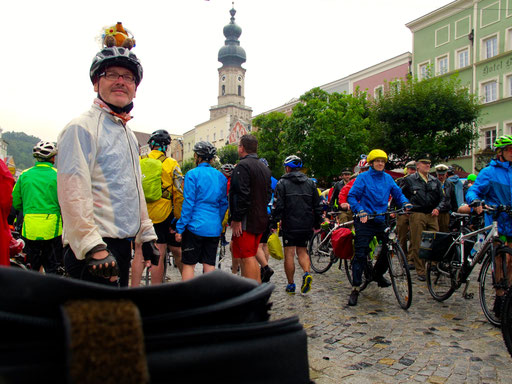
[[341, 241]]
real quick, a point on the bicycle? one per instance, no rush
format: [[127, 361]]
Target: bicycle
[[320, 251], [447, 274], [398, 266]]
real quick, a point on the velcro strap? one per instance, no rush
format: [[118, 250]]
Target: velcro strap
[[105, 342]]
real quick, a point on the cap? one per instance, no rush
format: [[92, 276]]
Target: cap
[[424, 159], [346, 170], [441, 169], [411, 164]]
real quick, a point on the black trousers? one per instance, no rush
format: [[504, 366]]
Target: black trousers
[[120, 249], [46, 253]]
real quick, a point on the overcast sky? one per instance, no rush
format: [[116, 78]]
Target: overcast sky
[[291, 45]]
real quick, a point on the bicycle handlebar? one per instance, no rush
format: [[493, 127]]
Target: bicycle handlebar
[[373, 215]]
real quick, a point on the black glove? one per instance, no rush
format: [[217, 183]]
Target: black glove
[[150, 252], [475, 203]]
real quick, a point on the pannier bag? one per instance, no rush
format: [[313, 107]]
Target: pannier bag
[[60, 330], [435, 246], [342, 245]]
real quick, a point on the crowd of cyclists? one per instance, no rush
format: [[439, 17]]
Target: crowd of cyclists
[[84, 209]]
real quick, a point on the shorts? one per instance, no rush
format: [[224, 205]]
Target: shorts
[[165, 232], [246, 245], [198, 249], [296, 239]]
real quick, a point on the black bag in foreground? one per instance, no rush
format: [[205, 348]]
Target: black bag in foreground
[[213, 328]]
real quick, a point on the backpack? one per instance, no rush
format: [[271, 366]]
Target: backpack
[[152, 177]]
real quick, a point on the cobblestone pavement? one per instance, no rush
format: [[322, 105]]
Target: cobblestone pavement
[[378, 342]]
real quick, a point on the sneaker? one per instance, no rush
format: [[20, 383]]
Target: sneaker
[[307, 279], [497, 306], [266, 274], [382, 282], [421, 278], [352, 300], [290, 289]]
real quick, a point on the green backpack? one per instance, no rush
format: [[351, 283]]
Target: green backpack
[[152, 177]]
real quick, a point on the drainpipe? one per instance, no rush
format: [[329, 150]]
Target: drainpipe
[[473, 66]]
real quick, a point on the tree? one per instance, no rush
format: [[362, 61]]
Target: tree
[[19, 146], [271, 135], [328, 131], [187, 166], [435, 116], [228, 154]]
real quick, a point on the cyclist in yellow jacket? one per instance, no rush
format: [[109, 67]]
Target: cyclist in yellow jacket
[[35, 193], [164, 212]]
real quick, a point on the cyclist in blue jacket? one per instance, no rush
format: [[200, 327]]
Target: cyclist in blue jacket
[[370, 195], [494, 185], [204, 206]]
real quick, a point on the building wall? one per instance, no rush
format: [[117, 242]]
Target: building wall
[[215, 131], [373, 83], [440, 40]]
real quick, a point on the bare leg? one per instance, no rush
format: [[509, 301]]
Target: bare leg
[[260, 256], [304, 261], [188, 272], [137, 266], [176, 253], [289, 263], [157, 272], [251, 268], [208, 268]]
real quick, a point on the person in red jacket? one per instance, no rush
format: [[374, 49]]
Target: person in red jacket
[[346, 214], [6, 186]]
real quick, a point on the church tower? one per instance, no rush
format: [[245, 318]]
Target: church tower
[[231, 99]]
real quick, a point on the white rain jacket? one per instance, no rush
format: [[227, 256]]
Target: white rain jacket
[[99, 183]]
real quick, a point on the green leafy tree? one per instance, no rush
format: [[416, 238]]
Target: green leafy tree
[[271, 134], [19, 145], [187, 166], [435, 116], [328, 131], [228, 154]]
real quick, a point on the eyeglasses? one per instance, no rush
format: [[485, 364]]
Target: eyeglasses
[[113, 76]]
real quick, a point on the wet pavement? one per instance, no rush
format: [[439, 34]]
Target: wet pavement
[[378, 342]]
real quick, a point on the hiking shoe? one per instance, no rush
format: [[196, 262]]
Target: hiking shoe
[[307, 279], [290, 289], [382, 282], [352, 300], [266, 274], [497, 306]]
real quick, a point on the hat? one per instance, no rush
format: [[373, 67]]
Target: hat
[[441, 169], [471, 177], [346, 170], [423, 158], [411, 164]]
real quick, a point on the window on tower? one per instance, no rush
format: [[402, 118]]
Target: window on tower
[[239, 90], [223, 90]]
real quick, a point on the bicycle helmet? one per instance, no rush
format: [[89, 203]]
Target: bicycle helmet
[[160, 137], [44, 150], [115, 56], [293, 162], [363, 164], [503, 141], [205, 150], [472, 177], [376, 154], [227, 169]]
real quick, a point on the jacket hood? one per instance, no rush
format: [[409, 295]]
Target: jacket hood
[[295, 176], [454, 178]]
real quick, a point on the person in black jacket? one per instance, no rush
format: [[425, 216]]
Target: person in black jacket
[[297, 206], [425, 193], [249, 194]]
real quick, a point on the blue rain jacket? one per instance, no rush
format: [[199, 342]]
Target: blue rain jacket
[[370, 193], [205, 202], [494, 186]]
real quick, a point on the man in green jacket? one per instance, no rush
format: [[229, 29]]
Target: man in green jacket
[[35, 193]]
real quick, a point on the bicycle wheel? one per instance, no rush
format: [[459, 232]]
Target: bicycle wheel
[[439, 279], [321, 257], [506, 320], [400, 276], [486, 290]]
